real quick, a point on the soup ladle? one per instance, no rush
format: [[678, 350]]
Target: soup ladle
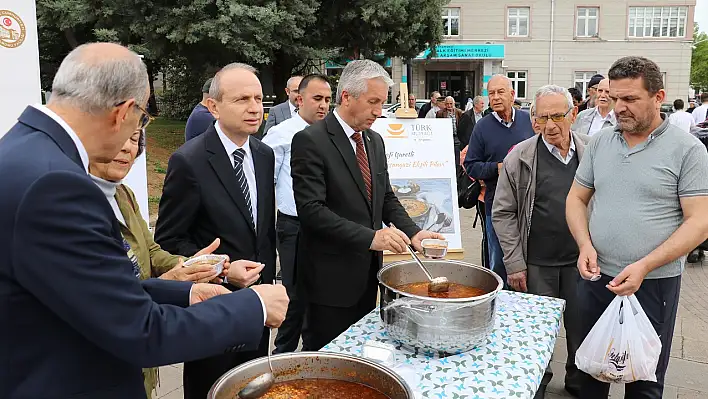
[[435, 284], [258, 386]]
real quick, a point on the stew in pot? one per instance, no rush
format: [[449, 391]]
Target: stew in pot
[[322, 389], [455, 291]]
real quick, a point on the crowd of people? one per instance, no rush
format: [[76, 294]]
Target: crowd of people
[[579, 205]]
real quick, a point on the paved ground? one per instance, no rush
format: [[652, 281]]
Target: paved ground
[[688, 371]]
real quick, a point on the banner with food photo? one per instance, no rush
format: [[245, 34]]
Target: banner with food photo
[[421, 167]]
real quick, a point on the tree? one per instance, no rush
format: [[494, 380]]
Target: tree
[[365, 28], [699, 60]]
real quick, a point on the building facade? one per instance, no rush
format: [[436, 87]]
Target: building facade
[[564, 42]]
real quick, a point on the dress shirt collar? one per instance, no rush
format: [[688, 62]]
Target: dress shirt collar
[[229, 145], [503, 122], [555, 151], [292, 108], [608, 118], [348, 130], [77, 142]]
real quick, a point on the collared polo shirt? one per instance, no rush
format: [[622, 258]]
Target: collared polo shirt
[[637, 192]]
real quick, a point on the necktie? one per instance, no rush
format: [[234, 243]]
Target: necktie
[[239, 154], [363, 162]]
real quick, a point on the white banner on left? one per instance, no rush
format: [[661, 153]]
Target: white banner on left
[[19, 56]]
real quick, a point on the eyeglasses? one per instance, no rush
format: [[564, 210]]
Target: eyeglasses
[[557, 118], [145, 118]]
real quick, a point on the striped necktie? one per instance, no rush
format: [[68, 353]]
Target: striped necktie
[[239, 155], [363, 161]]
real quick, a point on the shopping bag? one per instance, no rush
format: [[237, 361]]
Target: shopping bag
[[622, 346]]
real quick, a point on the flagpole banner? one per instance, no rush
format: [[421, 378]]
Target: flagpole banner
[[19, 52], [421, 168]]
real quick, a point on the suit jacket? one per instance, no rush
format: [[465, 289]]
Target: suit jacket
[[76, 321], [424, 109], [277, 114], [337, 222], [466, 127], [202, 201]]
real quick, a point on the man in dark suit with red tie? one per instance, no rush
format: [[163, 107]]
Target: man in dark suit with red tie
[[343, 195]]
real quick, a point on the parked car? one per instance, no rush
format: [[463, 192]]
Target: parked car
[[667, 108], [390, 111]]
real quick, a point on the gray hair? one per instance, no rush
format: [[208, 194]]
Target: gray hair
[[549, 90], [292, 78], [97, 84], [215, 88], [356, 75], [506, 78], [477, 100]]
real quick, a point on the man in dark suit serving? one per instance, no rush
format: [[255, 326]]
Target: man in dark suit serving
[[343, 194], [220, 184], [76, 321]]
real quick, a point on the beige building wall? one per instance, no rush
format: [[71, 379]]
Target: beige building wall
[[556, 61]]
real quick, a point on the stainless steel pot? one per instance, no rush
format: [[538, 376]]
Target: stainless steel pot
[[437, 324], [300, 365]]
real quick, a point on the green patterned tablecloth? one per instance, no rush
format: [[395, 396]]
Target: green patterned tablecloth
[[509, 365]]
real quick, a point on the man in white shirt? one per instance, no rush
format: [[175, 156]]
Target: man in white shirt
[[700, 114], [592, 120], [436, 107], [681, 118], [313, 101]]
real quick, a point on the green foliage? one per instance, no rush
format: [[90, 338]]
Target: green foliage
[[699, 60]]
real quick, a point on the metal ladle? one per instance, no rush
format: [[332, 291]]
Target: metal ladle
[[258, 386], [436, 284]]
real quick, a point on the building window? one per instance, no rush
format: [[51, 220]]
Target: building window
[[657, 21], [518, 81], [451, 21], [587, 22], [582, 79], [518, 21]]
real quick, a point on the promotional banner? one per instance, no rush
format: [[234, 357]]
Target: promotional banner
[[19, 52], [421, 167]]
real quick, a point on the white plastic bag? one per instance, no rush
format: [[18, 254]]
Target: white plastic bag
[[622, 346]]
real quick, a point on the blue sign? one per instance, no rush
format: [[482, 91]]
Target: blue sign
[[465, 52]]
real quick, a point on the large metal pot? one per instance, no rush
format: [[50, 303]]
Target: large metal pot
[[437, 324], [300, 365]]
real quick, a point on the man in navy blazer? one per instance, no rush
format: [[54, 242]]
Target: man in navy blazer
[[76, 322]]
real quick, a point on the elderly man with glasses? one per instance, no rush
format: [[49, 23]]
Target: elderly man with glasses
[[540, 254]]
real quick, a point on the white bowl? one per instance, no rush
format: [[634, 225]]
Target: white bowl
[[434, 248], [218, 266]]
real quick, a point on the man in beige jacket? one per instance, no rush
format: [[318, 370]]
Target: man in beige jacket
[[540, 254]]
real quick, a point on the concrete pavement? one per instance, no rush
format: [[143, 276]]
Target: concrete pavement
[[688, 369]]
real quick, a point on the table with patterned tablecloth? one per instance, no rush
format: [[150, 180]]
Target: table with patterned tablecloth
[[509, 365]]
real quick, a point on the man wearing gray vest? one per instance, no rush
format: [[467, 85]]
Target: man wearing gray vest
[[540, 255], [649, 184]]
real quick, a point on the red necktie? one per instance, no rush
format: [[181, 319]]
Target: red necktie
[[363, 162]]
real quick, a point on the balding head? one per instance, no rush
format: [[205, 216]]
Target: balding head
[[95, 77]]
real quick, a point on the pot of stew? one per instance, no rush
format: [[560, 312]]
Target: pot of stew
[[308, 375], [450, 322]]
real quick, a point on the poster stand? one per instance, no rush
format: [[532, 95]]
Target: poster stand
[[404, 112]]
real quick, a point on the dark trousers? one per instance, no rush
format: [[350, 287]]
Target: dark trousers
[[200, 375], [561, 282], [288, 337], [325, 323], [496, 256], [659, 299]]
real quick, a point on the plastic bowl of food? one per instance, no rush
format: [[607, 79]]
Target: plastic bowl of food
[[434, 248], [217, 261]]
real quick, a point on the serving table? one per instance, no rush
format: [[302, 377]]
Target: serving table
[[509, 365]]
